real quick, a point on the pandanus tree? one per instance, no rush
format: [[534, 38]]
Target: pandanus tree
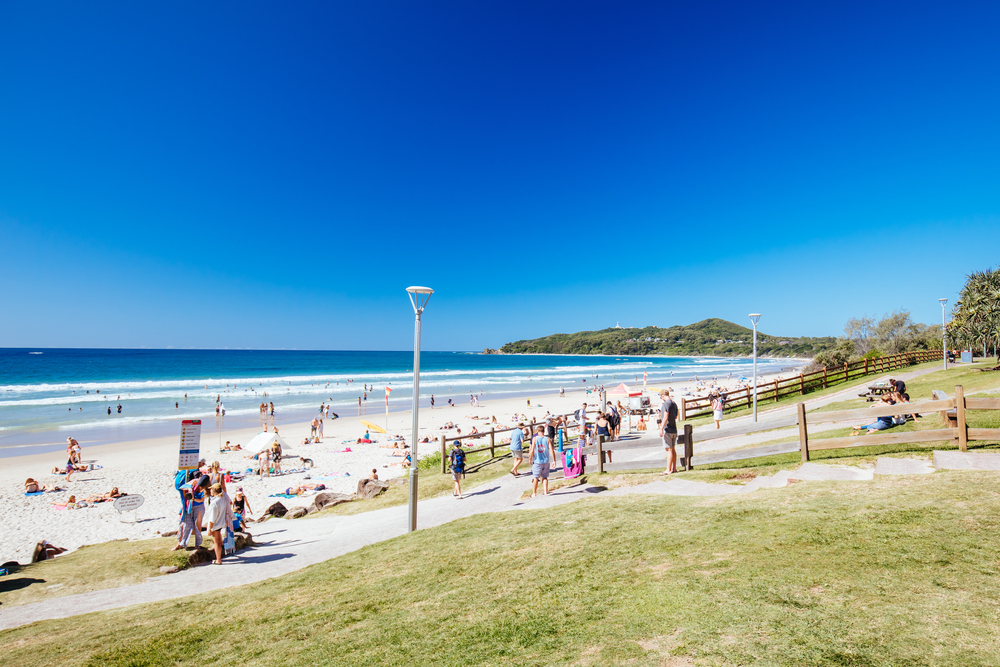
[[976, 316]]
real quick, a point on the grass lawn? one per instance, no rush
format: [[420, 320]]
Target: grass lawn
[[90, 568], [898, 571]]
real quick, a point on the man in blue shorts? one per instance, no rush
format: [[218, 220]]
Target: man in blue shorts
[[542, 455]]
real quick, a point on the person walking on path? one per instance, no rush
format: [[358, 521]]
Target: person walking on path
[[717, 407], [668, 431], [457, 457], [542, 455], [516, 447]]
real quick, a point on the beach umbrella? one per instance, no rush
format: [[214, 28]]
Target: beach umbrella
[[372, 427]]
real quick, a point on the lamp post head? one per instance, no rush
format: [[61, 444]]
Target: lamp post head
[[755, 318], [419, 296], [942, 302]]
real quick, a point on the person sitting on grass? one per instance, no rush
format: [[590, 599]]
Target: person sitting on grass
[[882, 423], [44, 550]]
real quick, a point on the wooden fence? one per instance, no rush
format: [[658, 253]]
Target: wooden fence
[[803, 383], [492, 435], [952, 410]]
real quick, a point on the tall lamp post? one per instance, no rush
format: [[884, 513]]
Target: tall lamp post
[[944, 334], [419, 296], [755, 318]]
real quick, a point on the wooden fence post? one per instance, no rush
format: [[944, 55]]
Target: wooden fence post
[[803, 433], [683, 410], [444, 456], [775, 390], [493, 442], [600, 453], [963, 432], [802, 384], [688, 446], [824, 377], [845, 371]]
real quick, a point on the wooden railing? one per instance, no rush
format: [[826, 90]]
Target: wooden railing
[[803, 383], [952, 410], [492, 434], [960, 433]]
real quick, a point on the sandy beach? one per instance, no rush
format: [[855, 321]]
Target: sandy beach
[[147, 467]]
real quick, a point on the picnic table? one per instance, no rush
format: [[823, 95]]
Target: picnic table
[[875, 390]]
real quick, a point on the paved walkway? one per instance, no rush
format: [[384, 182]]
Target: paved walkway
[[284, 546]]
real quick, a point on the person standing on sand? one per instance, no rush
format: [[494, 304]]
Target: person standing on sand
[[542, 455], [668, 430], [432, 401], [319, 431]]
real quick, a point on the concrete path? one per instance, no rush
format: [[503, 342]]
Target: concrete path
[[966, 461], [890, 466]]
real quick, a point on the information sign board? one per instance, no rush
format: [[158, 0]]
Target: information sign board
[[129, 503], [190, 452]]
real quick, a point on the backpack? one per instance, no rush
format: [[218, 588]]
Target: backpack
[[577, 414], [458, 460]]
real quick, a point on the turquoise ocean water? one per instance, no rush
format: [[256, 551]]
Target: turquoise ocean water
[[48, 394]]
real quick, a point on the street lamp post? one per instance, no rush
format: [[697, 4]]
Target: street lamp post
[[944, 334], [755, 318], [419, 296]]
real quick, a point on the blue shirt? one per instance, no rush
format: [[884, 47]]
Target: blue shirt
[[541, 449], [516, 438]]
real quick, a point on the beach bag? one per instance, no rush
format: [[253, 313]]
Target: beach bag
[[458, 460], [229, 544]]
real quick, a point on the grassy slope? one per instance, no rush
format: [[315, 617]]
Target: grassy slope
[[891, 572], [90, 568]]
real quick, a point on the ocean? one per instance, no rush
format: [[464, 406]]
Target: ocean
[[49, 394]]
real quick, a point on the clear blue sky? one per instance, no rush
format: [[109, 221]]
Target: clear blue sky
[[274, 175]]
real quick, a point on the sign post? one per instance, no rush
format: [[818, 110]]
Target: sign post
[[128, 504], [190, 449]]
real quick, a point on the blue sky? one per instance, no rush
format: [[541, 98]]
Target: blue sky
[[265, 176]]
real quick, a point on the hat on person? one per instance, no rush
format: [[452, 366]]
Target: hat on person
[[204, 481]]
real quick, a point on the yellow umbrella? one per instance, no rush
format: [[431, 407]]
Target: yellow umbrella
[[373, 427]]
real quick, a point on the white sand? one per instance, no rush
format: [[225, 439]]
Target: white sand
[[147, 468]]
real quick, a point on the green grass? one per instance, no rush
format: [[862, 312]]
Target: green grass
[[90, 568], [892, 572]]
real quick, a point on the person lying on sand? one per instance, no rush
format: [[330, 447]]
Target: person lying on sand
[[100, 498], [302, 488], [232, 448], [31, 486], [447, 425], [405, 462]]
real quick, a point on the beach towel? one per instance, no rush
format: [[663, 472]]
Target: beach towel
[[34, 493], [573, 463], [58, 506], [282, 495]]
